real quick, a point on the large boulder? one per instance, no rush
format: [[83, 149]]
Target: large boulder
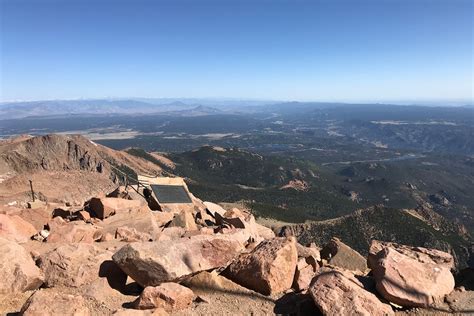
[[50, 303], [18, 271], [341, 255], [106, 206], [169, 296], [14, 228], [269, 268], [410, 276], [73, 265], [150, 264], [340, 293]]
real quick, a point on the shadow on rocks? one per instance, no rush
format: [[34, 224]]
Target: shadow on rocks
[[117, 279], [296, 304]]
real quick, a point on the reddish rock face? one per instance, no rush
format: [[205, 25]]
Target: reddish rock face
[[14, 228], [340, 293], [410, 277], [339, 254], [18, 272], [73, 265], [169, 296], [269, 268], [151, 264], [49, 302]]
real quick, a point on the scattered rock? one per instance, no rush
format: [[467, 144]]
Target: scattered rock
[[169, 296], [338, 293], [18, 271], [171, 233], [83, 215], [150, 264], [72, 232], [131, 235], [339, 254], [38, 217], [410, 277], [49, 302], [204, 218], [211, 281], [264, 232], [105, 207], [304, 274], [162, 218], [134, 312], [308, 251], [214, 208], [269, 268], [142, 220], [184, 219], [14, 228]]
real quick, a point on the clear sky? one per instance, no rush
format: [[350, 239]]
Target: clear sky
[[379, 50]]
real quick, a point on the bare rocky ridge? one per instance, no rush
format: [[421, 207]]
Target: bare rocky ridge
[[114, 255], [80, 168]]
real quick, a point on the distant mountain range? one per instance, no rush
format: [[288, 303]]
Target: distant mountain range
[[172, 106]]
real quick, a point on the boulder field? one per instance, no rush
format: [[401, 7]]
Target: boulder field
[[117, 256]]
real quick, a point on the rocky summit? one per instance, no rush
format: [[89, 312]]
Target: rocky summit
[[127, 249]]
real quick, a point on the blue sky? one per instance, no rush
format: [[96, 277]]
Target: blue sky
[[379, 50]]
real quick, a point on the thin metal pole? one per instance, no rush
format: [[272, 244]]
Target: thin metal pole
[[32, 192]]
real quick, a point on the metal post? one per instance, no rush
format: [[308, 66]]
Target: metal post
[[32, 192]]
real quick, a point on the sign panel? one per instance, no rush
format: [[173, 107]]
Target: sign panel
[[170, 193]]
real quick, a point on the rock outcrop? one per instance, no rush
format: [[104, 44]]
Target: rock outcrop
[[269, 268]]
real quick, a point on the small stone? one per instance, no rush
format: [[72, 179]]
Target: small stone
[[169, 296]]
